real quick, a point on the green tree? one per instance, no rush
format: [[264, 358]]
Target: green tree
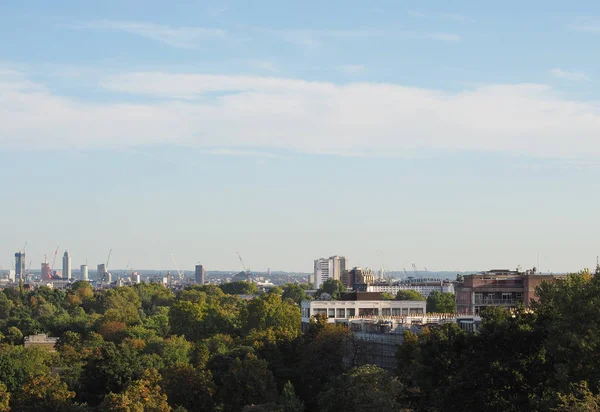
[[581, 399], [189, 387], [438, 302], [294, 292], [333, 287], [271, 312], [409, 295], [288, 401], [364, 388], [43, 393], [459, 277], [122, 305], [239, 288], [143, 395], [14, 335], [4, 398], [387, 296]]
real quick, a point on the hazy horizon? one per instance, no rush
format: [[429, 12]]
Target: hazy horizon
[[451, 136]]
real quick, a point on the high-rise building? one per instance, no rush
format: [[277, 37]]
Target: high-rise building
[[332, 268], [199, 275], [20, 265], [84, 272], [101, 272], [46, 271], [67, 265]]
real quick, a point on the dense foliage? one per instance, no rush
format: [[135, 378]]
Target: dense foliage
[[145, 348]]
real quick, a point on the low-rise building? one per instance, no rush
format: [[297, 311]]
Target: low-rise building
[[40, 340], [343, 310], [498, 287], [423, 286]]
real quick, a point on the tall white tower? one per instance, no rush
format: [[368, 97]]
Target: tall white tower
[[67, 265], [84, 272]]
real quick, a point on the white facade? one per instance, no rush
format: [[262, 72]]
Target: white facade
[[348, 309], [67, 265], [328, 268], [424, 289], [84, 272]]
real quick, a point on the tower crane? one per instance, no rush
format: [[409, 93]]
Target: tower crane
[[405, 273], [248, 273], [415, 270], [54, 260], [176, 266]]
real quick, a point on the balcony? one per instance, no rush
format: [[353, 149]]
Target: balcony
[[489, 301]]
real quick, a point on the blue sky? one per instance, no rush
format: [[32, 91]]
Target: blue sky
[[455, 135]]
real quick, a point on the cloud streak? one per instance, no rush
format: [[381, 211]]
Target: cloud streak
[[252, 114], [569, 75], [179, 37]]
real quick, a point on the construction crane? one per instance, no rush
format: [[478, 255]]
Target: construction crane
[[415, 270], [176, 266], [54, 261], [105, 274], [25, 246], [405, 273], [248, 273]]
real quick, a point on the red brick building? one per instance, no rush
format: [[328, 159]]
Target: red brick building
[[502, 288]]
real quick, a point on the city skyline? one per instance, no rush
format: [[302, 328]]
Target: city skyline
[[390, 133]]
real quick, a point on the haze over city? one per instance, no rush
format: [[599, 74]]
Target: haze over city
[[453, 135]]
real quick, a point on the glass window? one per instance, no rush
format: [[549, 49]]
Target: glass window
[[404, 311], [396, 311], [351, 312], [386, 312], [341, 313], [331, 313], [368, 311], [416, 311], [320, 311]]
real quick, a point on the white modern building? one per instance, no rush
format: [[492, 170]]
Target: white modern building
[[347, 309], [425, 288], [67, 265], [324, 269], [84, 272]]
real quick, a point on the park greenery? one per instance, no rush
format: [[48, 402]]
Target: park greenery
[[146, 348]]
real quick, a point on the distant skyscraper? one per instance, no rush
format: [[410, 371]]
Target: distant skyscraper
[[20, 265], [84, 272], [46, 271], [101, 272], [199, 275], [332, 268], [66, 265]]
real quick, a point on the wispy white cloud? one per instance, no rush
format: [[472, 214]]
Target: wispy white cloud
[[456, 17], [587, 27], [569, 75], [242, 153], [352, 69], [255, 115], [180, 37]]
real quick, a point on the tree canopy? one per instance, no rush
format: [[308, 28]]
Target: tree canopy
[[409, 294]]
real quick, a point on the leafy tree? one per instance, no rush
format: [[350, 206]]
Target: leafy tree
[[367, 387], [288, 401], [294, 292], [270, 311], [189, 387], [409, 295], [44, 393], [143, 395], [333, 287], [580, 400], [239, 288], [387, 296], [459, 277], [4, 398], [14, 335], [6, 306], [122, 305], [438, 302]]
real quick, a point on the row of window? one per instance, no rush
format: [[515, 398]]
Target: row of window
[[351, 312]]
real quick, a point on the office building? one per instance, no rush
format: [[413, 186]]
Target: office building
[[66, 273], [135, 278], [342, 310], [498, 287], [357, 276], [84, 273], [199, 275], [101, 276], [12, 275], [325, 269], [46, 271], [20, 265], [423, 286]]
